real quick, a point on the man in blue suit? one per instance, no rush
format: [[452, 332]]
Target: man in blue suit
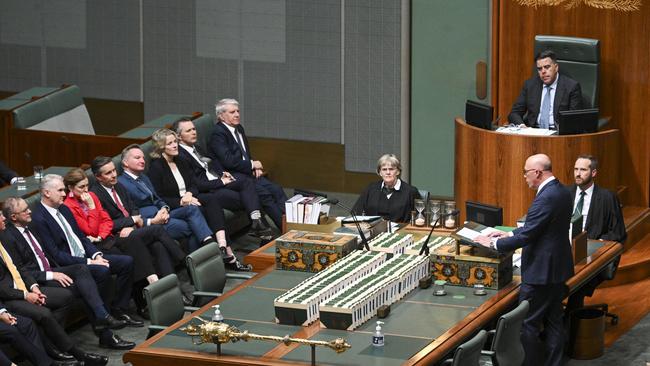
[[546, 261], [228, 144], [67, 245]]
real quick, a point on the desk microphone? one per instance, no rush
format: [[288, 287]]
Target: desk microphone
[[425, 247], [364, 241]]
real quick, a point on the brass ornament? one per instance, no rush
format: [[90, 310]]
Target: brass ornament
[[213, 332]]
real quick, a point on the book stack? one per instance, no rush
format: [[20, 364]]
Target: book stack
[[435, 243], [389, 283], [305, 210], [392, 243], [299, 305]]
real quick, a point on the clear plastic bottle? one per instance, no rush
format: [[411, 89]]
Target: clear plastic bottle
[[378, 337], [217, 317]]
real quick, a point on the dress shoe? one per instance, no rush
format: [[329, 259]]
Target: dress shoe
[[187, 301], [238, 266], [67, 363], [58, 355], [110, 322], [93, 359], [115, 342], [261, 231], [130, 320]]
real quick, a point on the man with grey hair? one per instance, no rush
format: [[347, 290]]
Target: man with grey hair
[[29, 251], [228, 144], [68, 245]]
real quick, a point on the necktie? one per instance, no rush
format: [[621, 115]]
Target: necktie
[[18, 281], [39, 252], [144, 186], [76, 251], [119, 204], [546, 108], [578, 211], [244, 155], [206, 164]]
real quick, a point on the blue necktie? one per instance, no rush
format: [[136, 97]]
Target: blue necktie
[[546, 108]]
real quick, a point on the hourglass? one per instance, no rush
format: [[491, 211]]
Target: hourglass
[[419, 206]]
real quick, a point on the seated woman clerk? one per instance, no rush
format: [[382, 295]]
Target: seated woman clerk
[[97, 225], [390, 197], [174, 183]]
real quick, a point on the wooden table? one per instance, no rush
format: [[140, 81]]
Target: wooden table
[[421, 329]]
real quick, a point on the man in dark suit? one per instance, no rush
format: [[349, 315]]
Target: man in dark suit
[[20, 332], [600, 209], [546, 261], [181, 222], [549, 92], [229, 146], [210, 177], [22, 295], [28, 253], [67, 245], [7, 176]]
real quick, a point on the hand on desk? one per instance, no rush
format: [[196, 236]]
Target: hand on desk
[[483, 240]]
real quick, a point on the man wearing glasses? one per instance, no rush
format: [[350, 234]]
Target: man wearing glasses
[[546, 261], [544, 96]]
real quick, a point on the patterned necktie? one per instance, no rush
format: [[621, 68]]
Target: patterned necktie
[[578, 211], [39, 252], [546, 108], [119, 204], [18, 281], [76, 251]]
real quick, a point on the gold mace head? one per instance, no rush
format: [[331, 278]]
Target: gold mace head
[[339, 345]]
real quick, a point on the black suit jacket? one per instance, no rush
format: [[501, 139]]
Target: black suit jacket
[[24, 254], [398, 208], [7, 290], [162, 178], [568, 96], [6, 174], [546, 256], [198, 171], [54, 240], [605, 218], [119, 220], [223, 148]]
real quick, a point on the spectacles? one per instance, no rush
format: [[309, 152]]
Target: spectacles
[[528, 170]]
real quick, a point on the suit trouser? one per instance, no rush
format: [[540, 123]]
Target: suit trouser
[[134, 248], [24, 338], [42, 316], [166, 252], [122, 267], [238, 195], [546, 313], [271, 196], [84, 286]]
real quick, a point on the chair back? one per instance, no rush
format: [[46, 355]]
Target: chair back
[[506, 343], [164, 300], [579, 59], [206, 268], [469, 353]]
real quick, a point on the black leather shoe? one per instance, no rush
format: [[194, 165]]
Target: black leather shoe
[[187, 301], [130, 320], [67, 363], [261, 231], [237, 266], [93, 359], [114, 342], [58, 355], [110, 322]]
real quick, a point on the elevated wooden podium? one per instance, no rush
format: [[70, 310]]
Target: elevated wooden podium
[[488, 166]]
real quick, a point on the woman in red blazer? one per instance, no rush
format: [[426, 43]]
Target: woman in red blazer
[[95, 222]]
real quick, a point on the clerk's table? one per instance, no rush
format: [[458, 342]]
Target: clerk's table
[[421, 328]]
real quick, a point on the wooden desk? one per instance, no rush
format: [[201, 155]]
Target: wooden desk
[[489, 164], [433, 338], [31, 184]]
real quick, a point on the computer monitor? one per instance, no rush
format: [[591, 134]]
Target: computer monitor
[[479, 114], [485, 214], [578, 121]]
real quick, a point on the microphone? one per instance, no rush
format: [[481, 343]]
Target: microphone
[[305, 192], [364, 240], [425, 247]]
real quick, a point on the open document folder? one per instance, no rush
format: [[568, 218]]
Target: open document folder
[[469, 232]]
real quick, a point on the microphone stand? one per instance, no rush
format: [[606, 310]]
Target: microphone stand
[[425, 247], [364, 241]]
